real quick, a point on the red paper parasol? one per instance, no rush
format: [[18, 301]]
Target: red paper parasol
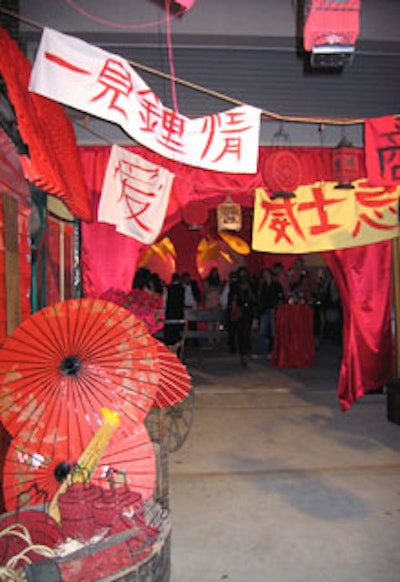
[[130, 461], [174, 378], [65, 363], [28, 475]]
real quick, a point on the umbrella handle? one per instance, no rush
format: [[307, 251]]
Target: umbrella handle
[[88, 460]]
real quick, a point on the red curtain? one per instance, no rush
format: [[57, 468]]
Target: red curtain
[[362, 274], [363, 277], [109, 259]]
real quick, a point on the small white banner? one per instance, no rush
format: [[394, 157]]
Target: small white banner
[[85, 77], [135, 195]]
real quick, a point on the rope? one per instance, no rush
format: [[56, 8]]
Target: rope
[[266, 114], [9, 571], [111, 24], [171, 55]]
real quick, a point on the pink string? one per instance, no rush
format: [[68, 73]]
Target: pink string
[[94, 18], [170, 55]]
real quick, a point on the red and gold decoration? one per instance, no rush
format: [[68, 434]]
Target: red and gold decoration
[[282, 172], [229, 215]]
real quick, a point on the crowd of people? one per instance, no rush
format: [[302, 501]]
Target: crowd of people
[[249, 303]]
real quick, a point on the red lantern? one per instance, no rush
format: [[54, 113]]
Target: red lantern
[[345, 164], [328, 23], [195, 214]]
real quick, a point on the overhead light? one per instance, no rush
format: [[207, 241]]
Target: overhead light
[[331, 56]]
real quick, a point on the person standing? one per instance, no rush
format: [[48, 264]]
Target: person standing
[[269, 294], [174, 310], [282, 278], [212, 289], [241, 303], [191, 290]]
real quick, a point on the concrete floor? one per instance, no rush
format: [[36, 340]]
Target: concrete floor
[[275, 484]]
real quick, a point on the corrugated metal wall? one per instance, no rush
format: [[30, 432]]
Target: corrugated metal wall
[[277, 81]]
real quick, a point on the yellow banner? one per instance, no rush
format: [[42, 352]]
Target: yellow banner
[[322, 218]]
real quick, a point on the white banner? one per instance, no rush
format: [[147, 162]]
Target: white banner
[[85, 77], [135, 195]]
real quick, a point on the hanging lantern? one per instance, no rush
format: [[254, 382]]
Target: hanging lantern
[[229, 215], [195, 214], [345, 164], [331, 30]]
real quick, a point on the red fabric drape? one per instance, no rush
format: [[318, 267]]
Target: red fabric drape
[[363, 277], [109, 259], [362, 274]]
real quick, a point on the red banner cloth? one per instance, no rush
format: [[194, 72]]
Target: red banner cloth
[[382, 150], [294, 336], [363, 277]]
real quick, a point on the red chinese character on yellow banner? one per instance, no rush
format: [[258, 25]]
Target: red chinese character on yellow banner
[[321, 217]]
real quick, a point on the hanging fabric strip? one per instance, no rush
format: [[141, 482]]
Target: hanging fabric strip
[[135, 195]]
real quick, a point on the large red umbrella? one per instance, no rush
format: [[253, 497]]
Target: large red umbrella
[[65, 363]]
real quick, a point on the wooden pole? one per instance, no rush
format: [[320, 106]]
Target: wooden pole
[[396, 298], [13, 294]]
